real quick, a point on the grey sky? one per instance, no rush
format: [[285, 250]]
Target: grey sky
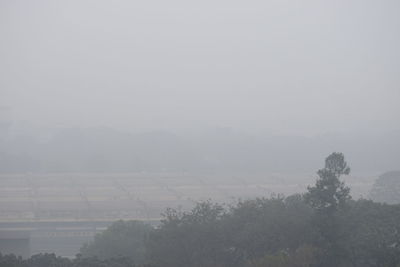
[[291, 67]]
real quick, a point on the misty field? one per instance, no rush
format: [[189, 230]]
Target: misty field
[[143, 196]]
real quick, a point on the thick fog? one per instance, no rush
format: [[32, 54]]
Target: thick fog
[[275, 67], [178, 133]]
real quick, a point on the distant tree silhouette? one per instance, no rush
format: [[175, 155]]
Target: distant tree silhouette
[[329, 193], [327, 198]]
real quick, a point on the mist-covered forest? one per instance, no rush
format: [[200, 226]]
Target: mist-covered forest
[[212, 133], [321, 227]]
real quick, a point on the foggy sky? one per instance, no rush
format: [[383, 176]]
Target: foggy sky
[[287, 67]]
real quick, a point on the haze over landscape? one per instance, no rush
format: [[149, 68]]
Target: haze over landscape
[[212, 133], [301, 73], [280, 67]]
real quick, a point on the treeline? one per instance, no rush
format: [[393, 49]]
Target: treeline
[[221, 151], [322, 228], [51, 260]]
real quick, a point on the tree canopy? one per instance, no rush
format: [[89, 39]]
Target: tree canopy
[[121, 239]]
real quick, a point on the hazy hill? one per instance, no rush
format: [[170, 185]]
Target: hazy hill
[[220, 150]]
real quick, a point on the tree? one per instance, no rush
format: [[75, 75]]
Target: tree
[[329, 193], [194, 238], [264, 226], [304, 256], [371, 233], [327, 198], [121, 239]]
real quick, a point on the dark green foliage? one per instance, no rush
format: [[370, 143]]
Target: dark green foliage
[[210, 235], [121, 239], [258, 233], [303, 256], [329, 193], [110, 262], [195, 238], [371, 233], [261, 226], [278, 232], [10, 261], [328, 197], [51, 260]]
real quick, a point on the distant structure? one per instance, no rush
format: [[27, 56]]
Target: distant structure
[[16, 242], [387, 188]]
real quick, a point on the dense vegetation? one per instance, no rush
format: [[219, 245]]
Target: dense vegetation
[[51, 260], [122, 239], [387, 188], [323, 227]]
